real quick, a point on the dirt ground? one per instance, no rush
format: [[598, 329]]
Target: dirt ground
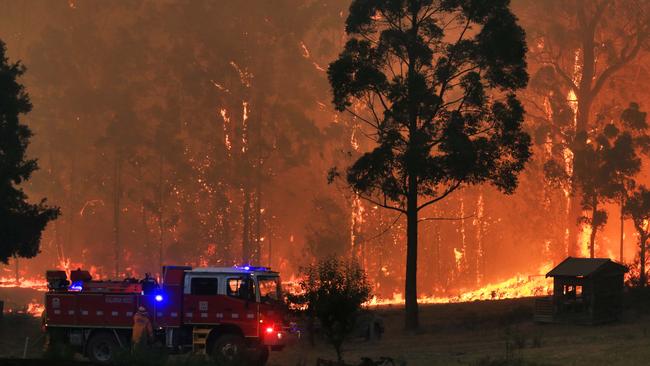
[[483, 333]]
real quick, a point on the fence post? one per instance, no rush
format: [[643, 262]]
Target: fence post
[[25, 349]]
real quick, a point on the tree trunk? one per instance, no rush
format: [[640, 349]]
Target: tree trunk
[[257, 255], [117, 192], [411, 289], [246, 226], [57, 237], [161, 224], [622, 234], [145, 230], [642, 274], [72, 208], [227, 245], [270, 237], [594, 228], [584, 99], [411, 295], [573, 227]]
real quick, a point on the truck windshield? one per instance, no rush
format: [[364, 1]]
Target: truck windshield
[[270, 288]]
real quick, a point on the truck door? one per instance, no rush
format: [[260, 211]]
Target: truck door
[[240, 305], [200, 303], [271, 303]]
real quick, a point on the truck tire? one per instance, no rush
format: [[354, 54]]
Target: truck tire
[[102, 348], [262, 356], [229, 350]]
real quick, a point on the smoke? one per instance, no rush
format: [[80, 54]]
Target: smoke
[[201, 133]]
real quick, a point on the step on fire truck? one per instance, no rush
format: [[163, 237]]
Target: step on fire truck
[[231, 314]]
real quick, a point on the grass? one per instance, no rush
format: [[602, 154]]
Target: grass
[[486, 333], [491, 333], [14, 329]]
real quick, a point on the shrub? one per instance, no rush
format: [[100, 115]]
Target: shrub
[[333, 292]]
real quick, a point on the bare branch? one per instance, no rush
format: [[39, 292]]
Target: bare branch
[[373, 125], [625, 57], [445, 218], [384, 205], [442, 196], [383, 231]]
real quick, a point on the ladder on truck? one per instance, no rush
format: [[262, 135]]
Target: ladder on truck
[[200, 339]]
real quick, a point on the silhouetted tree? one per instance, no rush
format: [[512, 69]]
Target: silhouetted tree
[[602, 165], [334, 291], [637, 208], [436, 79], [634, 122], [21, 223]]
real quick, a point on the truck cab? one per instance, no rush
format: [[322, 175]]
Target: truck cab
[[248, 299]]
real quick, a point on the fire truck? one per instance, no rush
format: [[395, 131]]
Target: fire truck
[[229, 313]]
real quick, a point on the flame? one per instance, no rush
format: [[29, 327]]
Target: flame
[[245, 77], [458, 256], [514, 287], [353, 140], [245, 126], [305, 50], [226, 127], [35, 309], [518, 286], [34, 284]]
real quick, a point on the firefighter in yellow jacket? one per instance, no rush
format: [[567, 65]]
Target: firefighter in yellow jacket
[[142, 329]]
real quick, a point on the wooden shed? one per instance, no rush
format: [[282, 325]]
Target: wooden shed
[[585, 291]]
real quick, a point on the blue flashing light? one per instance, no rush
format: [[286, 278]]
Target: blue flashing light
[[76, 286], [159, 298], [252, 268]]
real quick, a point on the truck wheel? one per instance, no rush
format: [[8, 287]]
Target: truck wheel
[[263, 356], [228, 350], [102, 348]]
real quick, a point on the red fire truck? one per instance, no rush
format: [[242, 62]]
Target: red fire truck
[[228, 313]]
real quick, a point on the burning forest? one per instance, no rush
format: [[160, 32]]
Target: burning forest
[[450, 151]]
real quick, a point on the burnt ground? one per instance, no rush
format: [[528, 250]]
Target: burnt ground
[[482, 333]]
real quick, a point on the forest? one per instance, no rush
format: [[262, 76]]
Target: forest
[[204, 133]]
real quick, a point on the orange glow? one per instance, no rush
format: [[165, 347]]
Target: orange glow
[[34, 284], [585, 234], [34, 308], [515, 287]]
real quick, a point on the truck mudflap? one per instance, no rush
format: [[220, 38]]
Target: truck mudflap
[[276, 339]]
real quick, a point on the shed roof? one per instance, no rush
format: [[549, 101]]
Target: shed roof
[[573, 267]]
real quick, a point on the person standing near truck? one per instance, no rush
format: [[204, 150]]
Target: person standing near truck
[[142, 329]]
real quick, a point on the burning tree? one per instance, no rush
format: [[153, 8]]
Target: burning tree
[[637, 207], [581, 45], [602, 166], [434, 83], [21, 223]]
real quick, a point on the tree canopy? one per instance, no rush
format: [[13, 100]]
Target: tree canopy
[[21, 222]]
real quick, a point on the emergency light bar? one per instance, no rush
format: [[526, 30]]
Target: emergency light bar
[[252, 268]]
